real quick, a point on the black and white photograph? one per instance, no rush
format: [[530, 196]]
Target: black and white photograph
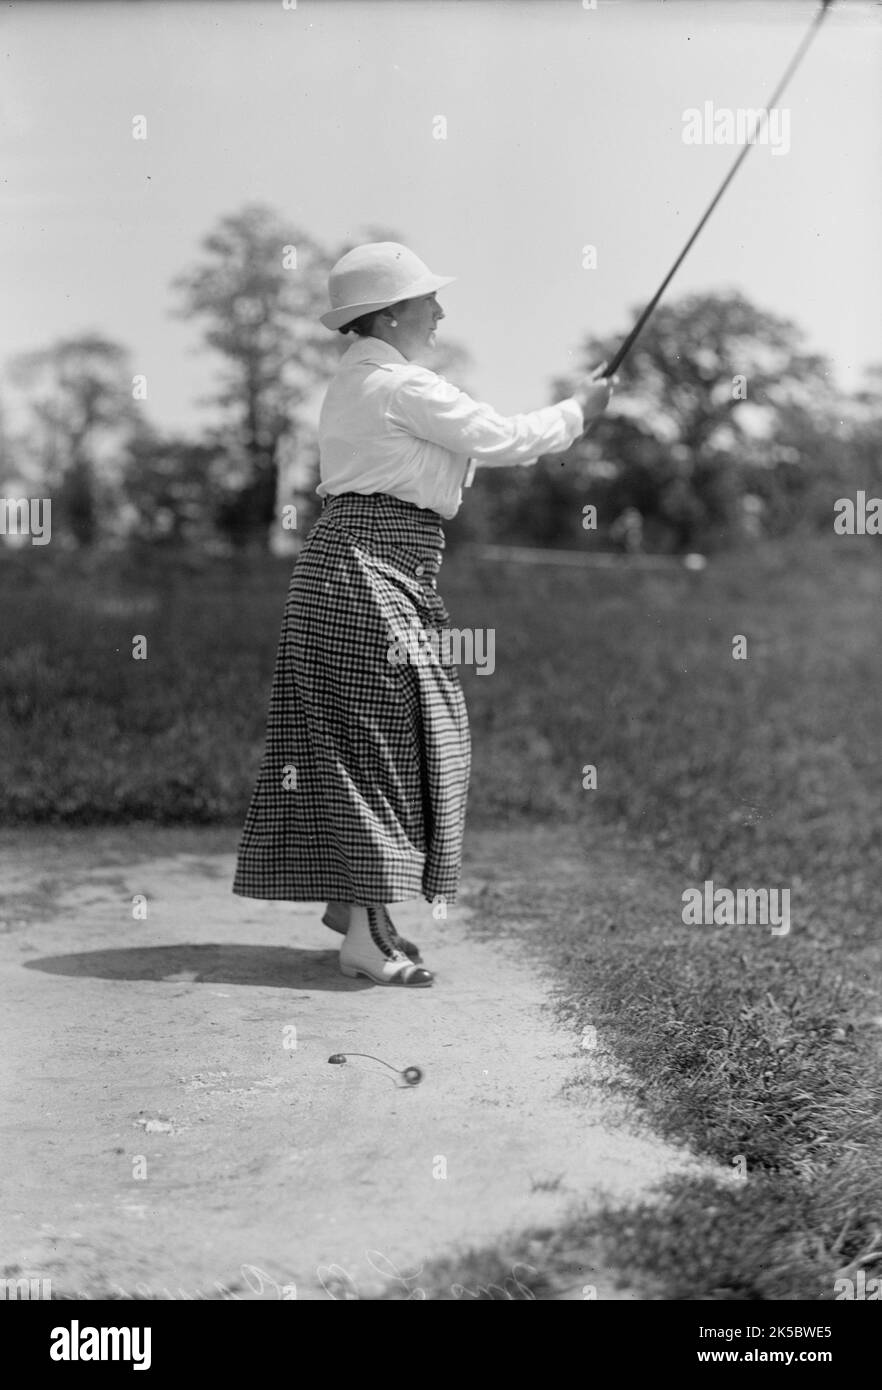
[[440, 666]]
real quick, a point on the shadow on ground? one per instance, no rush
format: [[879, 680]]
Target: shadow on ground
[[281, 967]]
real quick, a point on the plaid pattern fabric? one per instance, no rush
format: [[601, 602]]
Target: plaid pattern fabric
[[361, 794]]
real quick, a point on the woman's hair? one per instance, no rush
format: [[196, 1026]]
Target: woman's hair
[[362, 326]]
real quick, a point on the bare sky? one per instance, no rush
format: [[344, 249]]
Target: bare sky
[[564, 128]]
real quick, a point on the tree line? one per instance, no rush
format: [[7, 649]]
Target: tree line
[[726, 427]]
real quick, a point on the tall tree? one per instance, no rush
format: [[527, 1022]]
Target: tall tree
[[81, 413], [717, 396], [258, 292]]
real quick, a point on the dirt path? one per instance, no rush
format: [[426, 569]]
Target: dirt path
[[163, 1133]]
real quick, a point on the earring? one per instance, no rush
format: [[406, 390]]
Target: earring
[[393, 323]]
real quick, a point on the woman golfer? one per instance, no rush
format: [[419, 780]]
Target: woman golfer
[[361, 796]]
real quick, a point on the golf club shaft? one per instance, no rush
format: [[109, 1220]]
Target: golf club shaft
[[797, 58]]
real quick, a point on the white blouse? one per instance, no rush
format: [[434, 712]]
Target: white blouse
[[387, 425]]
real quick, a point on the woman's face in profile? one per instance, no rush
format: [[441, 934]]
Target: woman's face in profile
[[417, 319]]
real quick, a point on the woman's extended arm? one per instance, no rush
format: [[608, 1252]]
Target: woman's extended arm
[[429, 407]]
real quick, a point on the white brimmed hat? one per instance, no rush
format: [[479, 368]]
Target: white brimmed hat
[[372, 277]]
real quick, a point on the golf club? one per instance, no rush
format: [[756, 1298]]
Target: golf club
[[619, 356]]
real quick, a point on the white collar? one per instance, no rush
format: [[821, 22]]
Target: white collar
[[371, 350]]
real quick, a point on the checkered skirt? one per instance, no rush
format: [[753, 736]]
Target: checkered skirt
[[361, 793]]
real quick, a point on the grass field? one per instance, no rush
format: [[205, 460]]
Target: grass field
[[762, 772]]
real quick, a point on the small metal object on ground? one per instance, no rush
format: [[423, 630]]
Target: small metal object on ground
[[412, 1075]]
